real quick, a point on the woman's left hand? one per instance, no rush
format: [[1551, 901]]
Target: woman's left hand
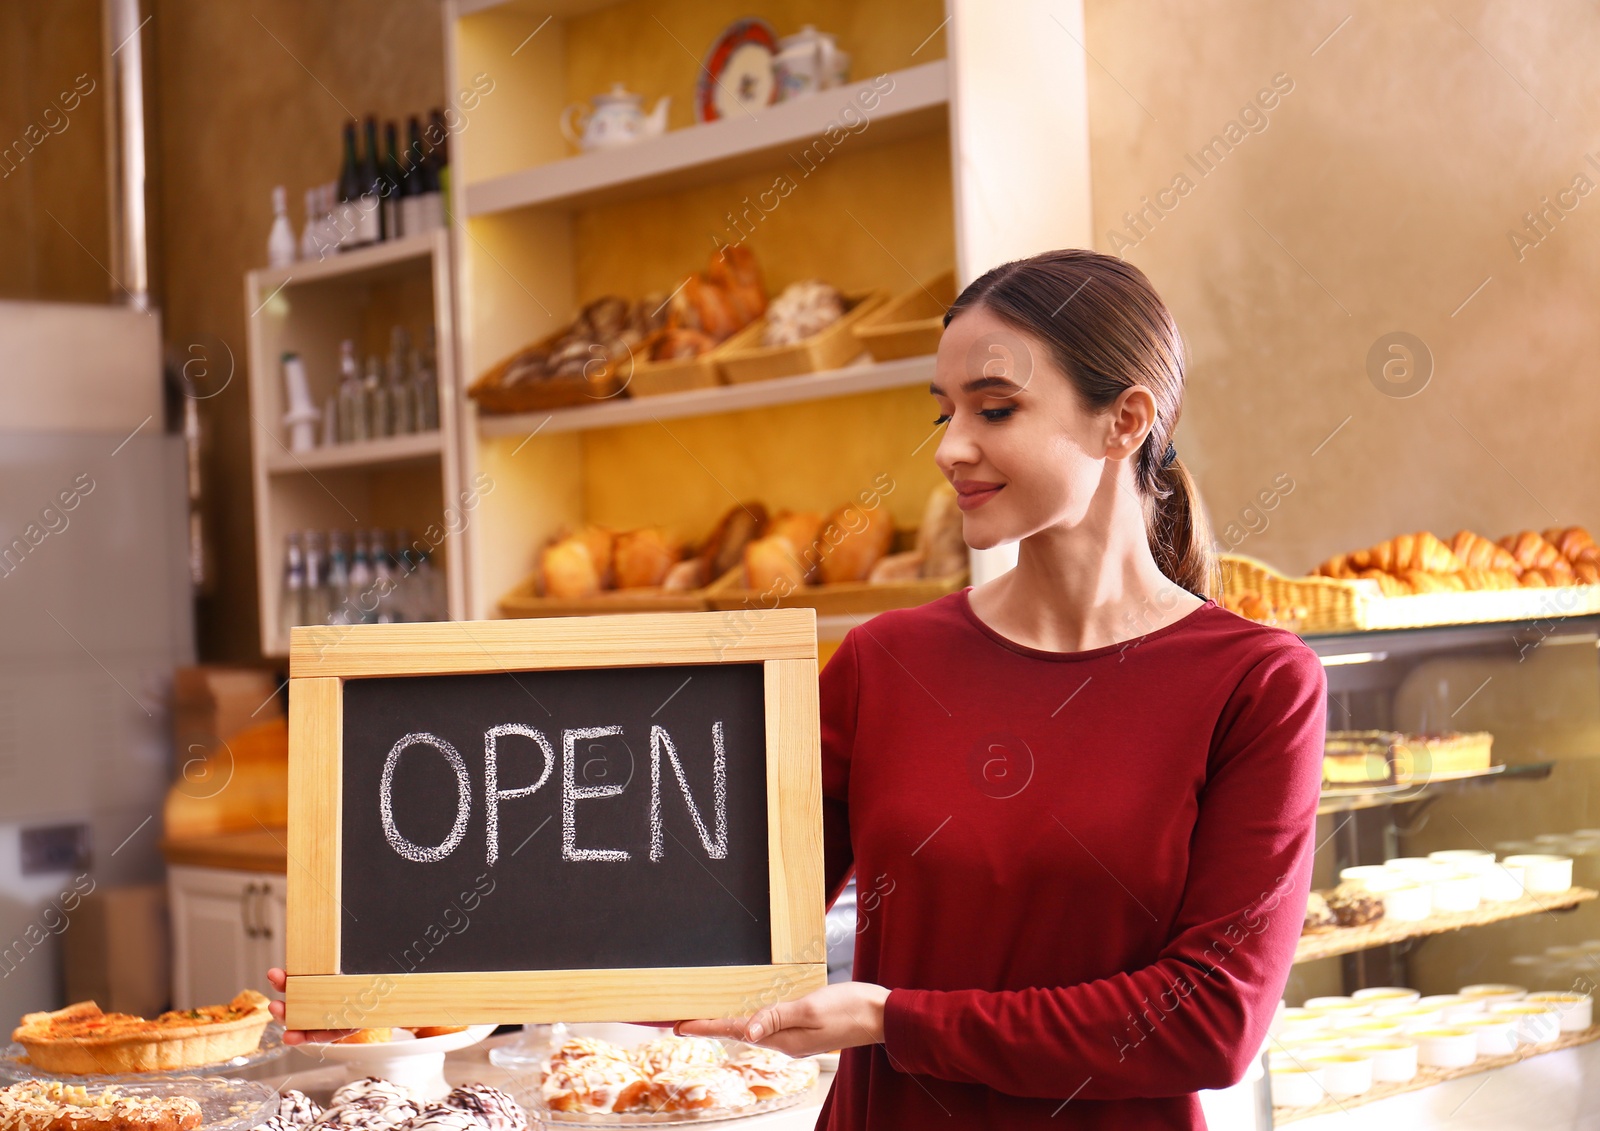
[[839, 1016]]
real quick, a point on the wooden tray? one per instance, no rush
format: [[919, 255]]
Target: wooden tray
[[746, 359], [728, 593], [910, 323], [1337, 605], [524, 601], [555, 392]]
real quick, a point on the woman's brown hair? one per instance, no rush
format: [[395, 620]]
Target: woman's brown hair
[[1107, 330]]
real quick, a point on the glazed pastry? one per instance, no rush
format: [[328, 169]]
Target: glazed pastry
[[48, 1105], [1391, 585], [1575, 544], [493, 1108], [769, 1073], [1420, 551], [1585, 572], [278, 1123], [642, 557], [1536, 577], [685, 575], [663, 1053], [724, 546], [906, 566], [297, 1108], [371, 1089], [1532, 552], [1474, 578], [1422, 581], [577, 1048], [940, 537], [1477, 552], [594, 1084], [698, 1087], [855, 539], [374, 1113], [441, 1117], [569, 570], [803, 309], [1319, 916], [1353, 907]]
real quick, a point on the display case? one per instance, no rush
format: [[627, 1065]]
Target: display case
[[1533, 685]]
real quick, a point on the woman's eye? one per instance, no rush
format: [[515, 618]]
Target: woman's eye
[[943, 418], [997, 413]]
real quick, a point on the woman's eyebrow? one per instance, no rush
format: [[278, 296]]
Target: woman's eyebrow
[[977, 383]]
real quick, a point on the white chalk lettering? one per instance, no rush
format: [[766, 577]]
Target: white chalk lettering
[[492, 793], [572, 793], [716, 848], [392, 834]]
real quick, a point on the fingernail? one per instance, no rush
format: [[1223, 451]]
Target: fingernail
[[755, 1032]]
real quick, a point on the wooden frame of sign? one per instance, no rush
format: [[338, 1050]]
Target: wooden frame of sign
[[783, 641]]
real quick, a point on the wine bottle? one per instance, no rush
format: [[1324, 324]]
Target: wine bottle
[[347, 216], [280, 240], [371, 186], [393, 226], [438, 179], [412, 221]]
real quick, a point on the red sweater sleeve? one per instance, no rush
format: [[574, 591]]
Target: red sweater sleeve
[[1196, 1016], [838, 697]]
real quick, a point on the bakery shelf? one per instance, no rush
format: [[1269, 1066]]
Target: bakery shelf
[[715, 150], [361, 453], [1427, 1077], [859, 377], [376, 259], [1368, 797], [1348, 940]]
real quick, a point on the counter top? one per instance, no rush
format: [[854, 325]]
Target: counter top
[[263, 850]]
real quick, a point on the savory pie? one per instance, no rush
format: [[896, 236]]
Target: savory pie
[[80, 1040], [47, 1105]]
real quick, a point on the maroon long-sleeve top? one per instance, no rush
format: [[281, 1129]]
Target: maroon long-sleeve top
[[1081, 875]]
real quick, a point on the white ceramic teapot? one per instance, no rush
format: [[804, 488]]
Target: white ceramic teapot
[[618, 118], [809, 61]]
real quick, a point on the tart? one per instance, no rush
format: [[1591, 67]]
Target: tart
[[47, 1105], [81, 1040]]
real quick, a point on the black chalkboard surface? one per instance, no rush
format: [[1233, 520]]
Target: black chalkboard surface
[[568, 848]]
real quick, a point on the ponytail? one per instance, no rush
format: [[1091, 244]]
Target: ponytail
[[1117, 333]]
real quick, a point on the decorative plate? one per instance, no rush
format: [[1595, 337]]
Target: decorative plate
[[225, 1105], [737, 76], [14, 1064]]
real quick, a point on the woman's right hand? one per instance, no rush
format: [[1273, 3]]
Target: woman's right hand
[[298, 1036]]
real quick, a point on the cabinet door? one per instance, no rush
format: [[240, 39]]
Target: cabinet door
[[270, 921], [220, 933]]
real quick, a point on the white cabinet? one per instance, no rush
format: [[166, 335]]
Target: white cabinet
[[227, 929]]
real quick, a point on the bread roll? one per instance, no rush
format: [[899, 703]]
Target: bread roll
[[940, 538], [687, 574], [854, 539], [599, 540], [771, 565], [803, 529], [724, 546], [569, 570], [905, 566], [642, 557]]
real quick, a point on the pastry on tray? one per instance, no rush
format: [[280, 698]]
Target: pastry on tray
[[1319, 916], [1354, 907], [594, 1085], [769, 1073], [81, 1040], [698, 1087], [669, 1074], [47, 1105]]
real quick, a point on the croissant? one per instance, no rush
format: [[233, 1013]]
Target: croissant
[[1420, 551], [1539, 578], [1532, 551], [1586, 572], [1391, 585], [1574, 542], [1477, 552], [1474, 578], [1422, 581]]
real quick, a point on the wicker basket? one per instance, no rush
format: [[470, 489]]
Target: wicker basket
[[1335, 605], [909, 324], [601, 382], [746, 359]]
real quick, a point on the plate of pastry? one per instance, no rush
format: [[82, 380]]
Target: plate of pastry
[[186, 1103], [412, 1058], [671, 1080], [83, 1042], [375, 1104]]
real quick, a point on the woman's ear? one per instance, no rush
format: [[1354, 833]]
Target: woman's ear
[[1128, 421]]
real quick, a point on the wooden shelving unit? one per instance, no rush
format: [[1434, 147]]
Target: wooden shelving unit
[[1428, 1077], [409, 481], [1348, 940], [924, 175]]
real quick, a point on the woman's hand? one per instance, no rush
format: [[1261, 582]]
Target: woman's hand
[[839, 1016], [298, 1036]]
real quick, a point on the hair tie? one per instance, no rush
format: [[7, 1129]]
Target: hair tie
[[1170, 457]]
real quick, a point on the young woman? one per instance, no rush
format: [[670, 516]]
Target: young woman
[[1078, 799]]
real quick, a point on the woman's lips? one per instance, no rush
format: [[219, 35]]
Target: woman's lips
[[970, 495]]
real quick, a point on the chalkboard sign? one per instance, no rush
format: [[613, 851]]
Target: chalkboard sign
[[573, 819]]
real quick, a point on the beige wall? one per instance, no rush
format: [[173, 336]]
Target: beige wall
[[249, 96], [1378, 198]]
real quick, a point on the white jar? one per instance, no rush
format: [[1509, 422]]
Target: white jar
[[1538, 1023], [1357, 875], [1446, 1048], [1457, 892], [1380, 994], [1338, 1006], [1393, 1061], [1452, 1007], [1576, 1010], [1493, 993], [1295, 1085], [1543, 874], [1408, 902], [1296, 1017], [1502, 883], [1497, 1036], [1474, 860], [1346, 1073]]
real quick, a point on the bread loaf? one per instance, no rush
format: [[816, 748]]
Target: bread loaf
[[724, 546], [803, 529], [568, 570], [940, 538], [642, 557], [771, 565], [687, 574], [906, 566], [854, 539]]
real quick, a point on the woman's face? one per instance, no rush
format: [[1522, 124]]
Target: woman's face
[[1021, 450]]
